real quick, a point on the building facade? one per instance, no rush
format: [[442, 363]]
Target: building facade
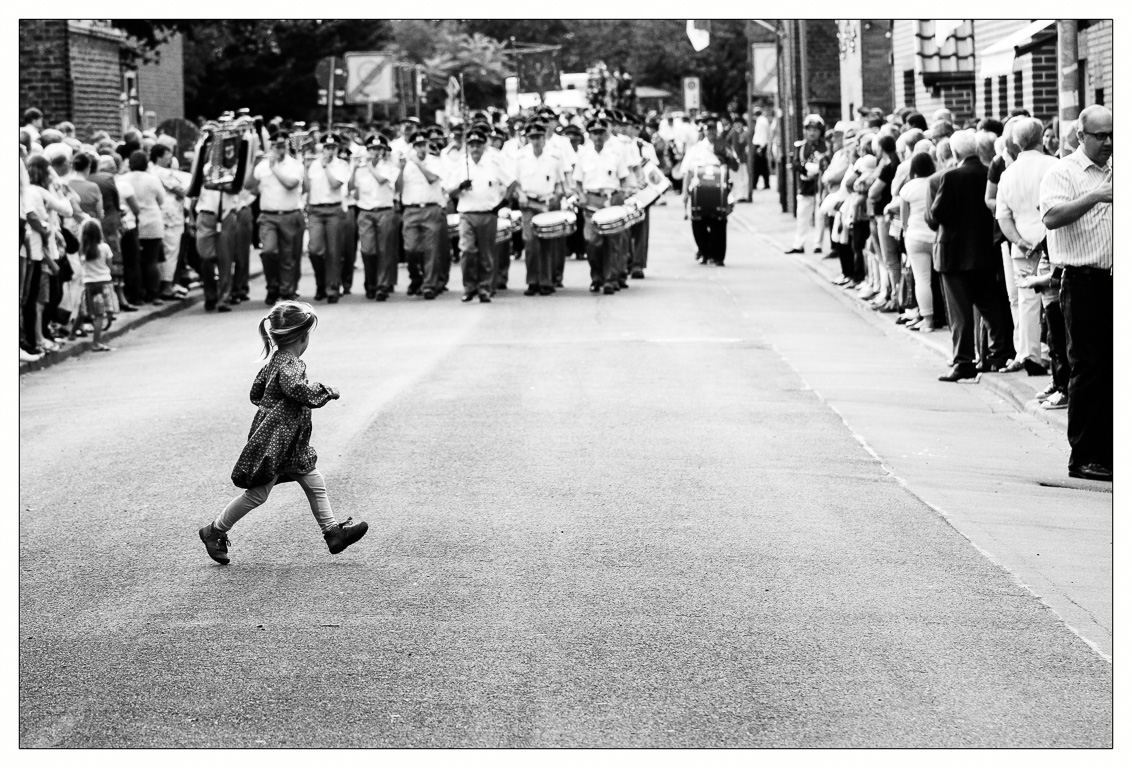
[[76, 70]]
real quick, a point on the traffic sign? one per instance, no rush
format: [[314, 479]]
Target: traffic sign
[[691, 93], [369, 78]]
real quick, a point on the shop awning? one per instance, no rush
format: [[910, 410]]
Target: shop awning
[[998, 58]]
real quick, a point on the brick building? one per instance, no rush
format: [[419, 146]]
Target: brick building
[[865, 52], [75, 70]]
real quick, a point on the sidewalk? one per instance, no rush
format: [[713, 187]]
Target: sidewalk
[[764, 218], [129, 321]]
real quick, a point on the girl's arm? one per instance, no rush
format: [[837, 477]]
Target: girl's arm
[[259, 386], [293, 382]]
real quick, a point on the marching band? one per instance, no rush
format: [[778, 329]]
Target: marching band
[[430, 198]]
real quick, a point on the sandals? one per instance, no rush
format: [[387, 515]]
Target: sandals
[[100, 348]]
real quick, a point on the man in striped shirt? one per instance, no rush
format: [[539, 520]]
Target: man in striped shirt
[[1076, 208]]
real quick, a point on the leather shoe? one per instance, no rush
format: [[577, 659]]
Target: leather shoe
[[467, 297], [429, 294], [960, 372], [1091, 472], [485, 299], [637, 274], [332, 298], [795, 250], [608, 289], [531, 291], [546, 290], [380, 296], [1033, 368]]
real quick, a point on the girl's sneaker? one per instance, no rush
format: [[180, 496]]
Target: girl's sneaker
[[344, 534], [216, 543]]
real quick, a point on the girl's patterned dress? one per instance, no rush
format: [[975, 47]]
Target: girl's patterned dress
[[279, 440]]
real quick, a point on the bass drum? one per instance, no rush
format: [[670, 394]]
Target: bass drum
[[453, 225], [708, 192]]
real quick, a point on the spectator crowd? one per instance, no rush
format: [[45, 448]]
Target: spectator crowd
[[1000, 231]]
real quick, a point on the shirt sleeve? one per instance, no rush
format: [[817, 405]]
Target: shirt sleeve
[[293, 382], [259, 386], [506, 172], [1056, 188], [1002, 206]]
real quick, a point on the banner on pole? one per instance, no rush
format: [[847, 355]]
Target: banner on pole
[[537, 70]]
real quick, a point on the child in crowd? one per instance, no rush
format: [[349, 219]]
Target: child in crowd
[[1047, 280], [278, 448], [98, 302]]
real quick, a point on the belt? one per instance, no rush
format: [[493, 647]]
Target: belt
[[420, 205], [326, 205], [487, 211], [374, 210], [277, 213], [1091, 271]]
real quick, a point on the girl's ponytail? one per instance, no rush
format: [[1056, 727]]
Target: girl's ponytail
[[265, 336]]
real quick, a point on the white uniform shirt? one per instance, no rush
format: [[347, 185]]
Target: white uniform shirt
[[699, 154], [600, 171], [211, 198], [1086, 242], [373, 194], [415, 189], [399, 148], [125, 189], [321, 193], [490, 178], [273, 196], [538, 175]]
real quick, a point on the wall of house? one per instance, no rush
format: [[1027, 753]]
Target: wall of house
[[161, 82], [876, 64], [822, 88], [45, 81], [96, 79], [1095, 45]]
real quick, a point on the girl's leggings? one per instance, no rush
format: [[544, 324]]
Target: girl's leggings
[[313, 485]]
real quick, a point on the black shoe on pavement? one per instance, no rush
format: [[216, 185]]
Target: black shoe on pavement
[[371, 294], [1091, 472], [216, 543], [960, 372], [223, 307], [637, 274], [332, 299], [344, 534], [467, 297], [595, 287], [609, 289], [210, 306], [429, 294], [381, 296], [1034, 369], [485, 299], [270, 299], [546, 290], [795, 250], [320, 295], [532, 290]]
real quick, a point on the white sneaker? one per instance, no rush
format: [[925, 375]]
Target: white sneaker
[[27, 357], [1056, 401]]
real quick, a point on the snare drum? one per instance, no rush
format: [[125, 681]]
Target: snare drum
[[502, 229], [453, 225], [610, 221], [552, 224]]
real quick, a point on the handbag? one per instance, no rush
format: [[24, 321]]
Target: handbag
[[65, 271]]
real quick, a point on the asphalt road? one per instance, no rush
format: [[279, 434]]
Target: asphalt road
[[666, 518]]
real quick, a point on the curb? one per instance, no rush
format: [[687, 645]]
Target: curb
[[125, 324], [1019, 397]]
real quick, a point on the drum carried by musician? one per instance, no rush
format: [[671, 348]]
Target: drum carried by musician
[[708, 198]]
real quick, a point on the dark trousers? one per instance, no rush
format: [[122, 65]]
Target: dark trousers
[[216, 251], [761, 168], [131, 266], [423, 230], [976, 289], [477, 251], [502, 260], [859, 232], [639, 234], [604, 252], [241, 259], [349, 248], [327, 224], [1086, 302], [538, 253], [844, 253], [378, 232], [1054, 322], [282, 238], [576, 242], [152, 253], [711, 238], [32, 279]]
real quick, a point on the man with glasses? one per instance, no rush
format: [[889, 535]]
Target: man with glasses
[[1076, 208]]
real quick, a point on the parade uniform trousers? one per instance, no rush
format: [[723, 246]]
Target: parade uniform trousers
[[349, 245], [606, 253], [327, 226], [710, 234], [216, 251], [477, 250], [639, 235], [424, 226], [241, 259], [378, 232], [539, 254], [502, 259], [281, 233]]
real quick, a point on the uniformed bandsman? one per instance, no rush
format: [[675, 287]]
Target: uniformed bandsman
[[278, 179], [402, 147], [639, 258], [710, 230], [327, 177], [575, 243], [373, 182], [480, 186], [601, 175], [539, 175], [422, 198]]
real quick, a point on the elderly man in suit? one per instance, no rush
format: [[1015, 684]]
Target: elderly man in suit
[[968, 261]]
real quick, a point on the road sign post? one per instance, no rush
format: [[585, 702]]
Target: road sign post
[[691, 94]]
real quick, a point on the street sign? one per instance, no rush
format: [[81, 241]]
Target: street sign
[[691, 93], [764, 69], [369, 78]]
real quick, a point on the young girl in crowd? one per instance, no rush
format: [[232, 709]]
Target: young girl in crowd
[[98, 301], [41, 241], [278, 448]]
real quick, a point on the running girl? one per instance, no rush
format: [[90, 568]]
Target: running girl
[[278, 448], [99, 299]]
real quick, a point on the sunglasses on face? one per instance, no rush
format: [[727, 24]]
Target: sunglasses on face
[[1101, 136], [475, 143]]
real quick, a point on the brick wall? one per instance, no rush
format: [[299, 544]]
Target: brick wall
[[960, 99], [1043, 89], [96, 75], [161, 84], [44, 69], [876, 63], [1095, 45], [823, 69]]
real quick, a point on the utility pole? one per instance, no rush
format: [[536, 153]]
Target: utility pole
[[1068, 99], [330, 100]]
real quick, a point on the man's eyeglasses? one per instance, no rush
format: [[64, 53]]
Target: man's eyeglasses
[[1100, 135]]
